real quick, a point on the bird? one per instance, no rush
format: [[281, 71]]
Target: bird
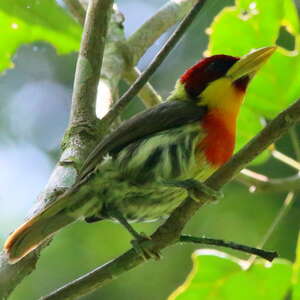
[[146, 167]]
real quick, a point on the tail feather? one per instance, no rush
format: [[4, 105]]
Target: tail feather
[[36, 230], [32, 233]]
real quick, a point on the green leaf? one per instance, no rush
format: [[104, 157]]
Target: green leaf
[[296, 273], [219, 276], [26, 21], [253, 24]]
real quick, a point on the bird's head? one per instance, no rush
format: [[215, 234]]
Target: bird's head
[[220, 81]]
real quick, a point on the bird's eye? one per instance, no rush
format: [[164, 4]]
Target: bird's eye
[[219, 67], [212, 66]]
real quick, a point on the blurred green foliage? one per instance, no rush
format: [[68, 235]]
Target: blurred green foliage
[[240, 216], [26, 21]]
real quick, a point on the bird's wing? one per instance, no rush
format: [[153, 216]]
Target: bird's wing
[[164, 116]]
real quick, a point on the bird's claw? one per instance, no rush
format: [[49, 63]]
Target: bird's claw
[[140, 245], [196, 189]]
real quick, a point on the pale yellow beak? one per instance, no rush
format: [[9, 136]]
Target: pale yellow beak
[[250, 63]]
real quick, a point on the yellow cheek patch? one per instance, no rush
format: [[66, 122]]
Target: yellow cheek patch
[[221, 94]]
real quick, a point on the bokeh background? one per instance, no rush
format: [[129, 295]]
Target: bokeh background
[[35, 104]]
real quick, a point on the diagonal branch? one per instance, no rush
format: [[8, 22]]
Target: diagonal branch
[[171, 13], [147, 94], [169, 232]]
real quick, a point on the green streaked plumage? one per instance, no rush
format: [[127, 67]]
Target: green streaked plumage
[[136, 181]]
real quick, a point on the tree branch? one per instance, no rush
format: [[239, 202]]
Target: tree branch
[[116, 61], [80, 137], [89, 62], [169, 232]]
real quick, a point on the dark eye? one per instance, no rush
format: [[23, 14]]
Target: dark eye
[[212, 66], [219, 67]]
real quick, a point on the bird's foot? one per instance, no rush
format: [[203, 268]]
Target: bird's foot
[[141, 244], [197, 190], [141, 240]]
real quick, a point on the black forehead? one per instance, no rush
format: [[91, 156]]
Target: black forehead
[[218, 63]]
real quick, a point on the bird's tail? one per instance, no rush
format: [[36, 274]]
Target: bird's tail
[[36, 230]]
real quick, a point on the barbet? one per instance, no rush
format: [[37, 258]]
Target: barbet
[[145, 168]]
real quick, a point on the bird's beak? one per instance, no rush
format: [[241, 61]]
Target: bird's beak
[[250, 63]]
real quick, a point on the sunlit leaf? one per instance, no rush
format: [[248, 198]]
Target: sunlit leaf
[[26, 21], [219, 276]]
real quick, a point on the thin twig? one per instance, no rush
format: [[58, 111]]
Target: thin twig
[[169, 232], [296, 142], [156, 62], [262, 183], [76, 9], [268, 255], [171, 13], [287, 204], [286, 159]]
